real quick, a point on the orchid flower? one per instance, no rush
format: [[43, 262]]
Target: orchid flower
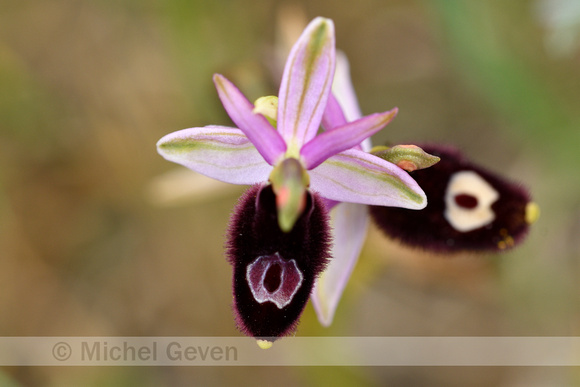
[[291, 167]]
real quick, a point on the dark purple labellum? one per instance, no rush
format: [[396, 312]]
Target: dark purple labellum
[[469, 208], [274, 271]]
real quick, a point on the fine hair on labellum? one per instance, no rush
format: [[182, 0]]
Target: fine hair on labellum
[[469, 208], [259, 251]]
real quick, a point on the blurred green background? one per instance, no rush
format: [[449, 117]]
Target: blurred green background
[[97, 239]]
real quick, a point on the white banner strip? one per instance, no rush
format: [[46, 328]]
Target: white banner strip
[[290, 351]]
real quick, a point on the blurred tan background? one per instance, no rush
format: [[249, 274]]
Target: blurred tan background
[[101, 236]]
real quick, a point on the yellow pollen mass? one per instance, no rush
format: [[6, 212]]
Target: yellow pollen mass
[[532, 212], [268, 107], [264, 344]]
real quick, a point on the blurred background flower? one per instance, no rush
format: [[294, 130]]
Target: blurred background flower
[[87, 249]]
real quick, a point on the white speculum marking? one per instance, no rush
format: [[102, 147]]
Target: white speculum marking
[[272, 278], [465, 186]]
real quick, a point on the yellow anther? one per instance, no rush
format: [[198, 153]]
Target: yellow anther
[[532, 212], [264, 344], [267, 106]]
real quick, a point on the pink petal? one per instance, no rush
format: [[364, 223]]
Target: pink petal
[[344, 137], [333, 116], [306, 83], [219, 152], [359, 177], [255, 126]]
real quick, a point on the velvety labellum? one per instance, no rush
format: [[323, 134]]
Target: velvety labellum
[[274, 271], [469, 208]]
